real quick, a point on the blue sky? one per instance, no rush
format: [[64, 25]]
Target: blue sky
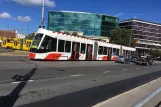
[[21, 13]]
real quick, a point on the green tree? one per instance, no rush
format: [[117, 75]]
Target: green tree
[[67, 33], [30, 36], [75, 33], [122, 36], [155, 53]]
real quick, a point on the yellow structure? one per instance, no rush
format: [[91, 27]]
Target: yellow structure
[[7, 42], [26, 44], [16, 43]]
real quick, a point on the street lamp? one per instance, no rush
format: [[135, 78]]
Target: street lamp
[[131, 32], [130, 37]]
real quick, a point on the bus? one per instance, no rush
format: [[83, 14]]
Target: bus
[[49, 45]]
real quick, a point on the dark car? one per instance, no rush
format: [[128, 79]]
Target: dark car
[[133, 59], [145, 60]]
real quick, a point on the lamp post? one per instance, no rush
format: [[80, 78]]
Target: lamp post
[[131, 32], [130, 37], [42, 18]]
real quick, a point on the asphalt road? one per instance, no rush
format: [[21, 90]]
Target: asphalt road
[[67, 84], [2, 50]]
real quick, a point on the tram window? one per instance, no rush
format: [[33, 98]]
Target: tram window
[[117, 52], [105, 51], [8, 40], [100, 51], [61, 46], [127, 53], [114, 51], [67, 46], [78, 46], [53, 44], [16, 43], [49, 44], [24, 42], [28, 44], [91, 49], [83, 47]]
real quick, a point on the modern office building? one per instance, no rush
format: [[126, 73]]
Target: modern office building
[[88, 23], [147, 34]]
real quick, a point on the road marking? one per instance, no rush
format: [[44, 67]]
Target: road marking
[[137, 68], [146, 67], [106, 72], [17, 82], [124, 69], [76, 75]]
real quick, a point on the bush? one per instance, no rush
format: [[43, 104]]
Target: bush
[[155, 53]]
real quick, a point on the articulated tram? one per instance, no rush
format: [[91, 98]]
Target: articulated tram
[[48, 45]]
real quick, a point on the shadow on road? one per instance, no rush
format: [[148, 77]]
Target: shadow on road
[[158, 105], [42, 66], [10, 99], [95, 95]]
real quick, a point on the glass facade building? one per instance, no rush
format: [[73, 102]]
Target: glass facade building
[[88, 23]]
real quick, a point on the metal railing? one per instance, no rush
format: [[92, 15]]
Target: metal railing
[[147, 98]]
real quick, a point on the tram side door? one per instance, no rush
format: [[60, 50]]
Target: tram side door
[[75, 50], [89, 52], [95, 51], [109, 53]]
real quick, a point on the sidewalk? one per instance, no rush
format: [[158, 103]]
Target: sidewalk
[[15, 53], [128, 99]]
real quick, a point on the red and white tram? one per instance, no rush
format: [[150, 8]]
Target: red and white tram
[[48, 45]]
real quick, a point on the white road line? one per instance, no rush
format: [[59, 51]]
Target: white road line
[[124, 69], [76, 75], [106, 72], [17, 82], [137, 68]]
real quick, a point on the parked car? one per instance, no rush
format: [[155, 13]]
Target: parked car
[[145, 60], [123, 59], [133, 59]]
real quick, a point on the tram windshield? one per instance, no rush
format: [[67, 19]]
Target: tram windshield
[[36, 42]]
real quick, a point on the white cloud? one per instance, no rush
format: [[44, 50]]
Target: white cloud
[[49, 3], [19, 18], [14, 19], [5, 15], [119, 14], [24, 19]]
